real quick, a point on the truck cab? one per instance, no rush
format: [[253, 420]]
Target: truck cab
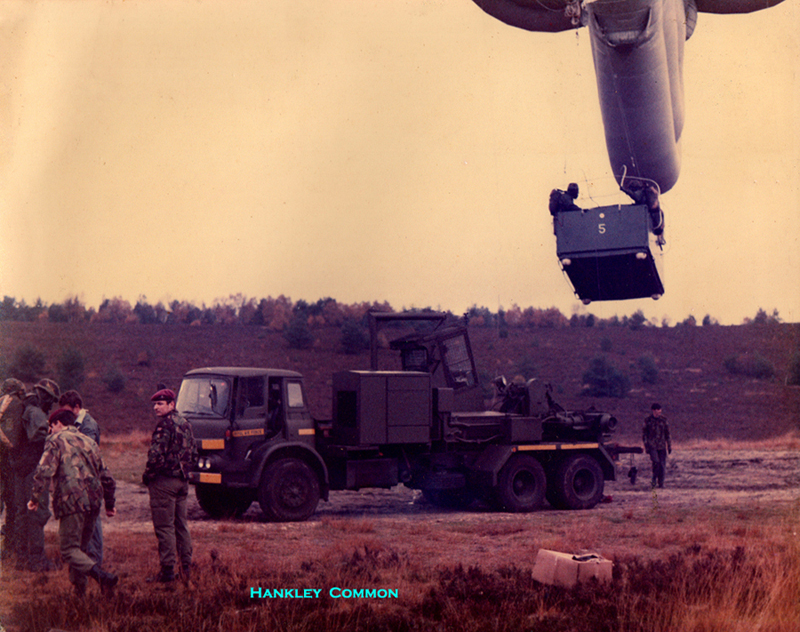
[[245, 419]]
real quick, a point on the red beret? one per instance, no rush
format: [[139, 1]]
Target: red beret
[[64, 416], [164, 395]]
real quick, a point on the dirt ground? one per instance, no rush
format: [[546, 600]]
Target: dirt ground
[[696, 479]]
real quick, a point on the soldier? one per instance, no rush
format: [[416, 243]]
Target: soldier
[[85, 424], [29, 538], [71, 462], [657, 443], [172, 455], [83, 420], [11, 409]]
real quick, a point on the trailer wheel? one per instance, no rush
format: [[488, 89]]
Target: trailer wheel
[[289, 491], [521, 484], [579, 483]]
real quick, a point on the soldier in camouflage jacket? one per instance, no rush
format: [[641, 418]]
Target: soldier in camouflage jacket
[[657, 443], [172, 455], [86, 424], [71, 462]]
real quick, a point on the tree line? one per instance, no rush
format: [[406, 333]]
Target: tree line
[[279, 313]]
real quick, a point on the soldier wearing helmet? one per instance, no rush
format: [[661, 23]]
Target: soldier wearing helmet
[[11, 408], [29, 525]]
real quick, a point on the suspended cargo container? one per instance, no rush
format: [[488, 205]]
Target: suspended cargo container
[[609, 253]]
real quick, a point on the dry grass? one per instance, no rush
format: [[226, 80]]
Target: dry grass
[[788, 441], [125, 455], [723, 569]]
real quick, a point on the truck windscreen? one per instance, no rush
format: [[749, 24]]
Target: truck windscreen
[[202, 395]]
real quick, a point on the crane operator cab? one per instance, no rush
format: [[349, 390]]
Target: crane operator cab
[[610, 253]]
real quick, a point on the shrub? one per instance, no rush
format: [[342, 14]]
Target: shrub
[[605, 345], [648, 370], [602, 379], [114, 379], [297, 333], [354, 339], [28, 364], [754, 366], [794, 370], [70, 369]]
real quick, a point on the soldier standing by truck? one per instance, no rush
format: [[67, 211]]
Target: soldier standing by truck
[[657, 443], [171, 457]]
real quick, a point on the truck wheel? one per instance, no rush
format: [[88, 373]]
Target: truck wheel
[[221, 502], [289, 491], [579, 483], [521, 484]]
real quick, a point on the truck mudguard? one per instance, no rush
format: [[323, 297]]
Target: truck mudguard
[[296, 450]]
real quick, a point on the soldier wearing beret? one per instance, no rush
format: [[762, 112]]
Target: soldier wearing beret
[[71, 463], [172, 455]]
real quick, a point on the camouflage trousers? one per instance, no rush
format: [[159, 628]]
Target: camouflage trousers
[[74, 534], [168, 505]]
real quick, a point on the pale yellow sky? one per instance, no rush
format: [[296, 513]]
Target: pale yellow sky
[[367, 150]]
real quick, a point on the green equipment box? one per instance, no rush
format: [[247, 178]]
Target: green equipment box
[[609, 253], [381, 407]]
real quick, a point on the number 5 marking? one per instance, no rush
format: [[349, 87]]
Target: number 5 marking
[[601, 228]]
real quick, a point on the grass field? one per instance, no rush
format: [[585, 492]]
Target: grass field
[[734, 570], [720, 554]]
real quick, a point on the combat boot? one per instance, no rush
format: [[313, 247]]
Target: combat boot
[[80, 587], [106, 580], [164, 576]]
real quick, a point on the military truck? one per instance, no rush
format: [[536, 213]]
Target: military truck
[[421, 423]]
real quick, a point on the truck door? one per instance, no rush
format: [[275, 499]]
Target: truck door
[[299, 424], [249, 416]]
